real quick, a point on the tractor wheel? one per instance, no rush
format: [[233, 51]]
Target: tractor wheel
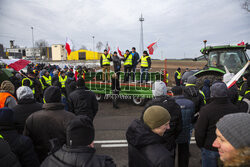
[[138, 101], [211, 78], [99, 97]]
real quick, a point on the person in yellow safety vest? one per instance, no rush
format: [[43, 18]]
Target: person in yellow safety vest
[[177, 76], [192, 92], [167, 77], [29, 81], [63, 78], [105, 64], [127, 58], [145, 61], [244, 86], [46, 80]]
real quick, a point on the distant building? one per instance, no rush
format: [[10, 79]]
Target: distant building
[[32, 53], [15, 53], [58, 52], [84, 55], [47, 53], [2, 53]]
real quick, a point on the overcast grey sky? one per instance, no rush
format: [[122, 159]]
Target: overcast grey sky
[[181, 25]]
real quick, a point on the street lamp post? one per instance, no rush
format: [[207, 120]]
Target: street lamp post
[[33, 42], [141, 19], [93, 46]]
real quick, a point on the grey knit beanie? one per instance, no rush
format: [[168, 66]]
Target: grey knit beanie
[[219, 89], [235, 128], [24, 92], [159, 88]]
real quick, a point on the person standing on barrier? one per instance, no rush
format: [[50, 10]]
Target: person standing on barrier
[[136, 57], [127, 65], [145, 65], [117, 64], [105, 64]]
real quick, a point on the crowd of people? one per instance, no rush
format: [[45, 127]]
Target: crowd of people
[[46, 119]]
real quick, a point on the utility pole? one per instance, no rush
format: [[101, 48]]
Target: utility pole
[[33, 42], [141, 19], [93, 46]]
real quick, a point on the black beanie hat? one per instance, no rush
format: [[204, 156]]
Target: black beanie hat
[[52, 94], [80, 131], [80, 83]]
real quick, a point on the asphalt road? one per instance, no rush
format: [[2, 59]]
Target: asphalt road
[[111, 125]]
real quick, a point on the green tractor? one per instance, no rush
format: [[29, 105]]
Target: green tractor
[[233, 57]]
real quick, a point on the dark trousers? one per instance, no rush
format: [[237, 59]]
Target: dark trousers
[[133, 73], [115, 98], [127, 71], [117, 71], [178, 82], [183, 154]]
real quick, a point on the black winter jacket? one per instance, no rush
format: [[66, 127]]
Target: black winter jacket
[[47, 124], [23, 110], [192, 93], [21, 145], [176, 119], [145, 148], [7, 157], [70, 86], [209, 116], [233, 94], [77, 157], [83, 102]]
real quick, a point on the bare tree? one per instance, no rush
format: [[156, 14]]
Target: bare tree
[[246, 5], [99, 46], [42, 44], [83, 47]]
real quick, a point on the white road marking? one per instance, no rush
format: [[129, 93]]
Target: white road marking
[[122, 143], [114, 145], [109, 141]]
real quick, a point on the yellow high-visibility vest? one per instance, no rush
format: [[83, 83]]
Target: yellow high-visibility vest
[[63, 80], [128, 60], [43, 87], [167, 76], [179, 75], [144, 61], [31, 83], [105, 60], [47, 80]]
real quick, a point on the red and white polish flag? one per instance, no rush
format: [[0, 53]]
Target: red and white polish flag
[[68, 46], [16, 64], [237, 76], [152, 47]]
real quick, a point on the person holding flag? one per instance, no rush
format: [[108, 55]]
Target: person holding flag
[[145, 61], [105, 64]]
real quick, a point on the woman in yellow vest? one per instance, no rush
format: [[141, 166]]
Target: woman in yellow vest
[[145, 65], [177, 76], [105, 64], [127, 65]]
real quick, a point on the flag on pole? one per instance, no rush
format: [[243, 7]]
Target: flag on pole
[[242, 43], [237, 76], [108, 49], [16, 64], [152, 47], [68, 46], [120, 53]]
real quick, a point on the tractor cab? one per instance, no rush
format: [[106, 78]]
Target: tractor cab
[[234, 57]]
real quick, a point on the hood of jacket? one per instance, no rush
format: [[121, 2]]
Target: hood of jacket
[[53, 106], [24, 92], [139, 135], [191, 91]]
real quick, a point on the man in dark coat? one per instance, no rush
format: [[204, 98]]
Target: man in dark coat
[[79, 149], [117, 64], [49, 123], [160, 98], [82, 101], [20, 145], [70, 84], [7, 157], [187, 110], [25, 107], [177, 77], [135, 60], [145, 139], [206, 124]]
